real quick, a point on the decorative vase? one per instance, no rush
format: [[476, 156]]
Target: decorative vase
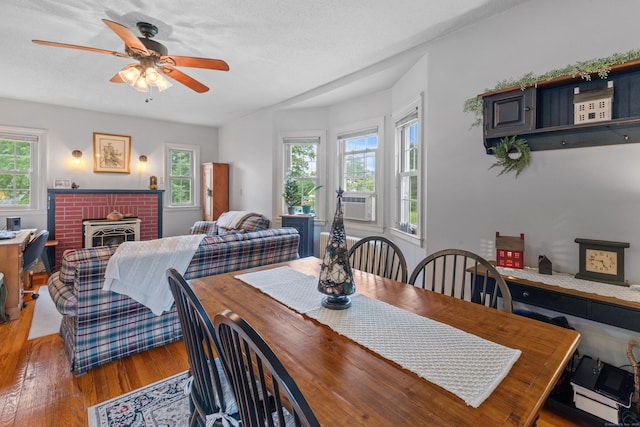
[[114, 216], [336, 277], [291, 210], [306, 209]]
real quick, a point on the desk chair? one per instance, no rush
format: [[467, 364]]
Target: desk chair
[[379, 255], [458, 273], [260, 382], [32, 252], [211, 398]]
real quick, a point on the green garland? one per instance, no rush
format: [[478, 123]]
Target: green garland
[[584, 69], [511, 144]]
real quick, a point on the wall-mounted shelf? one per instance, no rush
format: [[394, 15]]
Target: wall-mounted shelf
[[543, 114]]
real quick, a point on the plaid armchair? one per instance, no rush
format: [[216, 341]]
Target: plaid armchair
[[100, 326]]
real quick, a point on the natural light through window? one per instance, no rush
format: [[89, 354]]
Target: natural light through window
[[301, 172], [408, 172], [18, 166], [181, 176]]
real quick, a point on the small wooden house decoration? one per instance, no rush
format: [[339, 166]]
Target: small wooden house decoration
[[592, 106], [509, 251], [544, 265]]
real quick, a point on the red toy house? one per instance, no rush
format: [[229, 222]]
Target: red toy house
[[509, 251]]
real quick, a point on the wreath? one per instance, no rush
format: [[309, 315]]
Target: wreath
[[513, 154]]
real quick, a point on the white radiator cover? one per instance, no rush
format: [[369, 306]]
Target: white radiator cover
[[324, 240]]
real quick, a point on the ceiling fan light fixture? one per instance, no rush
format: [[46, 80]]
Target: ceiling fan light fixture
[[163, 84], [130, 73], [141, 84], [152, 76]]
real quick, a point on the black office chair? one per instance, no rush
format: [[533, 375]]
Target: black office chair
[[210, 393], [265, 392], [380, 256], [33, 251], [462, 274]]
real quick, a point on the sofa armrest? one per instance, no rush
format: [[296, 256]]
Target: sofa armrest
[[210, 228]]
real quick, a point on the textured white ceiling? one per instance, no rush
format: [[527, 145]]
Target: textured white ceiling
[[279, 51]]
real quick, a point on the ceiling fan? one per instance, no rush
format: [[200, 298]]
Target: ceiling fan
[[154, 60]]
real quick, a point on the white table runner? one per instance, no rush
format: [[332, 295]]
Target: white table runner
[[568, 281], [464, 364]]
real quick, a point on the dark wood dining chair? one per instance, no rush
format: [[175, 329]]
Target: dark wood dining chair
[[266, 393], [211, 395], [380, 256], [462, 274]]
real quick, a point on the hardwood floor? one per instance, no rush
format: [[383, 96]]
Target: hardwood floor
[[37, 388]]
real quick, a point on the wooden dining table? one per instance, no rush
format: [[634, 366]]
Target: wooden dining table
[[347, 384]]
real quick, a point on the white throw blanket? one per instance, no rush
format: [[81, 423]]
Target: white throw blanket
[[139, 269], [234, 219]]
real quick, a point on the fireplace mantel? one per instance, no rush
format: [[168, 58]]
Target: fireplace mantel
[[67, 208]]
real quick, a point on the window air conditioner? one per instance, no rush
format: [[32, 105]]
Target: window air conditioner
[[359, 207]]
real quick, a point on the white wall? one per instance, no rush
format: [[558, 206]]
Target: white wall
[[586, 192], [69, 129], [249, 150]]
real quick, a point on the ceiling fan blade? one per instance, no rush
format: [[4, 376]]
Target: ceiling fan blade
[[128, 37], [73, 46], [181, 77], [116, 79], [189, 61]]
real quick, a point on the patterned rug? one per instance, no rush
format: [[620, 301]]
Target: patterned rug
[[161, 404]]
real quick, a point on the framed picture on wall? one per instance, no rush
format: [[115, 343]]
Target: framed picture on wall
[[111, 153], [61, 183]]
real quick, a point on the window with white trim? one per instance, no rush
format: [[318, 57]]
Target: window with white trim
[[181, 168], [408, 172], [358, 160], [301, 163], [19, 166]]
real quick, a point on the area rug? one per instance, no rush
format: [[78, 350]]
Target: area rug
[[46, 319], [161, 404]]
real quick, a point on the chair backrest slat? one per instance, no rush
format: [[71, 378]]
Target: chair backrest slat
[[379, 255], [264, 389], [207, 391], [462, 274]]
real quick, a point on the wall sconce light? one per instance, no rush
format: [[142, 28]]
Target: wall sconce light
[[143, 161], [77, 154]]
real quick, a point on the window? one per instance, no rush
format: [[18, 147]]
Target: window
[[359, 160], [181, 173], [19, 164], [408, 172], [301, 166]]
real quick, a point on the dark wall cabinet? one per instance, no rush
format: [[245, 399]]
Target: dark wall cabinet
[[544, 114], [304, 225]]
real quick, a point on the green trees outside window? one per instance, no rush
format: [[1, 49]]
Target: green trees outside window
[[15, 173]]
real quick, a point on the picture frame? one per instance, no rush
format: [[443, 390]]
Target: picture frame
[[61, 183], [111, 153]]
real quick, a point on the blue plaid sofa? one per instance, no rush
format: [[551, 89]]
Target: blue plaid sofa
[[100, 326], [211, 228]]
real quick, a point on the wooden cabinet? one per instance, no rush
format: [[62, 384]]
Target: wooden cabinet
[[304, 225], [215, 190], [11, 265], [543, 114]]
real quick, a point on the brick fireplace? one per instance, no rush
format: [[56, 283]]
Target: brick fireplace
[[67, 209]]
